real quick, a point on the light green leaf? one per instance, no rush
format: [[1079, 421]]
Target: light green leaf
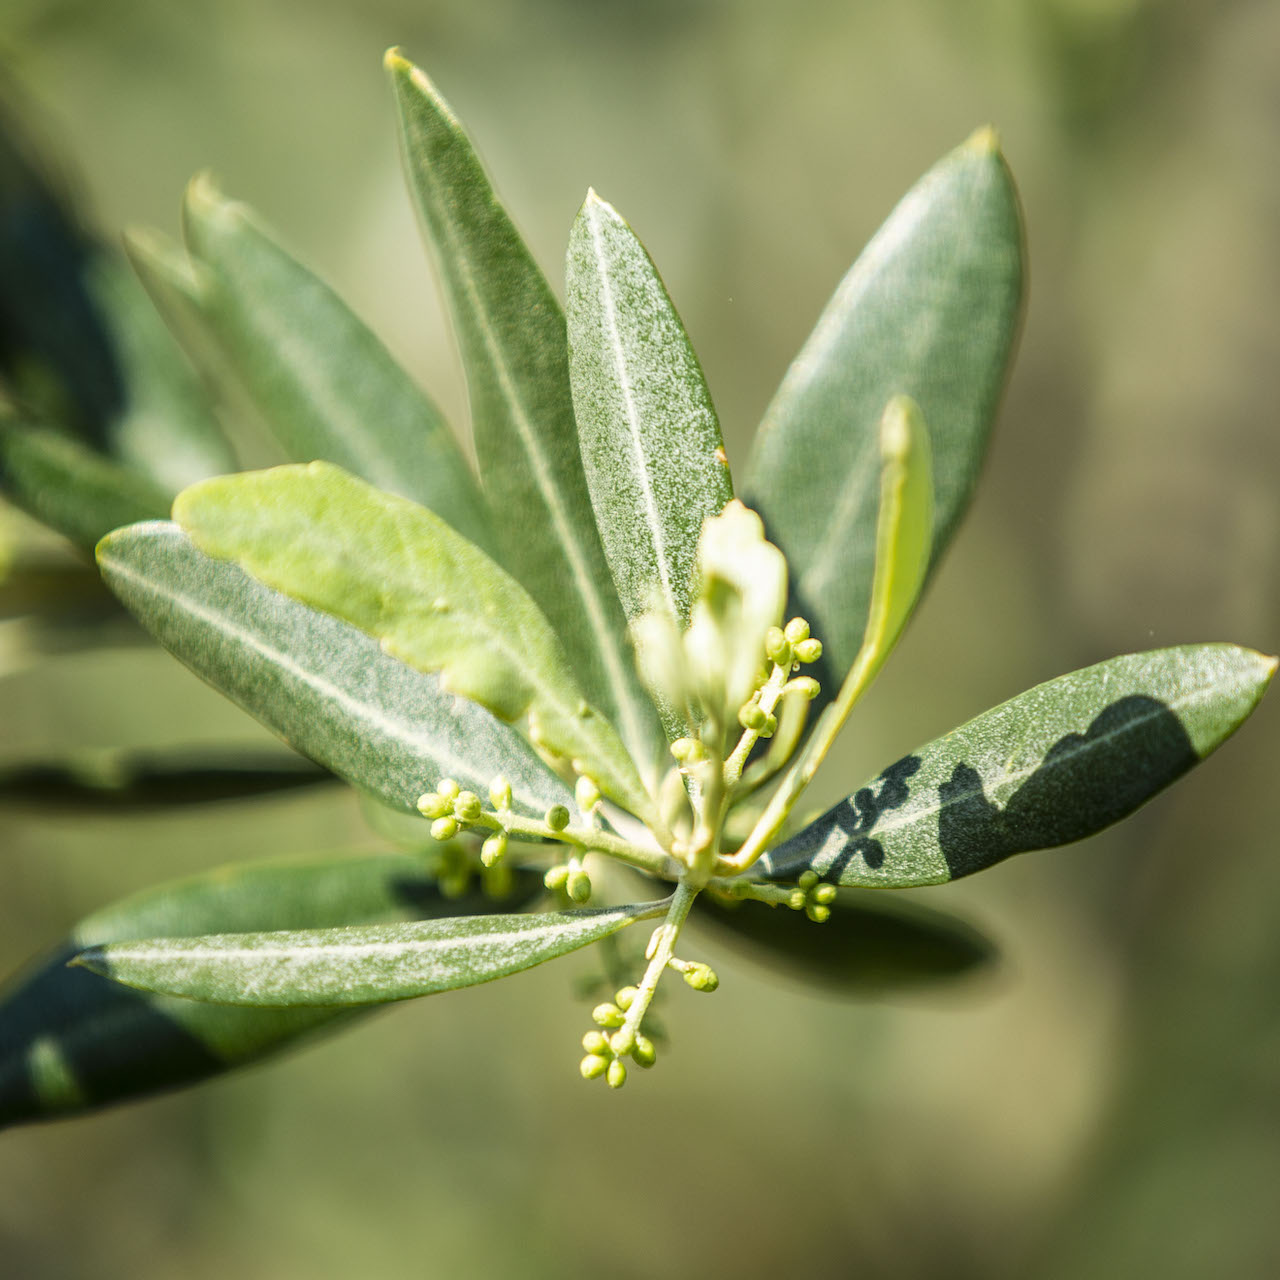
[[69, 487], [874, 944], [1051, 766], [321, 380], [431, 598], [70, 1041], [511, 334], [165, 429], [655, 463], [356, 966], [322, 685], [931, 310]]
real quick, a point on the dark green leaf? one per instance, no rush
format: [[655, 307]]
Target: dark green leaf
[[321, 685], [930, 310], [651, 446], [70, 1041], [69, 487], [873, 944], [1053, 765], [511, 334], [434, 600], [365, 965]]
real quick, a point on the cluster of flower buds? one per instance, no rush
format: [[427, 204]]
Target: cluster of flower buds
[[610, 1043], [812, 897]]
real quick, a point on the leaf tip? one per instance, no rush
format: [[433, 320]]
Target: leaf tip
[[92, 958], [984, 141], [395, 61], [900, 428]]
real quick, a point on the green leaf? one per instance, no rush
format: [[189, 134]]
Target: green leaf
[[67, 486], [655, 463], [320, 684], [872, 945], [322, 381], [70, 1041], [1051, 766], [356, 966], [431, 598], [165, 428], [511, 334], [931, 310], [122, 782]]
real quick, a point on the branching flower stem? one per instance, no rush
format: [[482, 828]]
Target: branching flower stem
[[587, 838], [770, 692]]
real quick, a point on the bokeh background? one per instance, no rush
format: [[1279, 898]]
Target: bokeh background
[[1108, 1102]]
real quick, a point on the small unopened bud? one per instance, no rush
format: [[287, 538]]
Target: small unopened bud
[[466, 806], [701, 977], [494, 849], [622, 1042], [557, 817], [448, 788], [444, 828], [808, 650], [681, 748], [777, 646], [500, 792], [797, 899], [593, 1066], [818, 913], [607, 1015], [556, 877], [751, 715], [770, 726], [626, 997], [643, 1054], [824, 895], [579, 885], [796, 630], [596, 1042], [616, 1074], [432, 805], [808, 879], [586, 793], [806, 685]]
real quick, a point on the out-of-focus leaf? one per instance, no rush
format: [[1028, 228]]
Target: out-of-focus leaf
[[930, 310], [321, 380], [655, 463], [432, 599], [511, 334], [1051, 766], [365, 965], [70, 1040], [323, 686], [122, 782], [69, 487], [165, 427], [873, 944]]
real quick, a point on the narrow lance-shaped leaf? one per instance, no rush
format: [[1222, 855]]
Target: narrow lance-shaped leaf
[[323, 686], [655, 463], [511, 335], [430, 597], [1051, 766], [874, 944], [930, 310], [67, 486], [70, 1040], [356, 966], [321, 380]]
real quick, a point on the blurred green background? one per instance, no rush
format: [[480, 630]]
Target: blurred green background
[[1108, 1104]]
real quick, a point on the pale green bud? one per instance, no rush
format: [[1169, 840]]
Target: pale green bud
[[432, 805], [596, 1042], [643, 1054], [797, 629], [770, 726], [556, 877], [701, 977], [444, 828], [806, 685], [682, 748], [448, 788], [593, 1066], [751, 715], [579, 886], [808, 879], [607, 1015], [626, 997], [500, 792], [466, 806], [797, 900], [494, 849], [586, 793], [824, 894], [808, 650], [557, 817], [616, 1074], [818, 914], [622, 1042], [777, 647]]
